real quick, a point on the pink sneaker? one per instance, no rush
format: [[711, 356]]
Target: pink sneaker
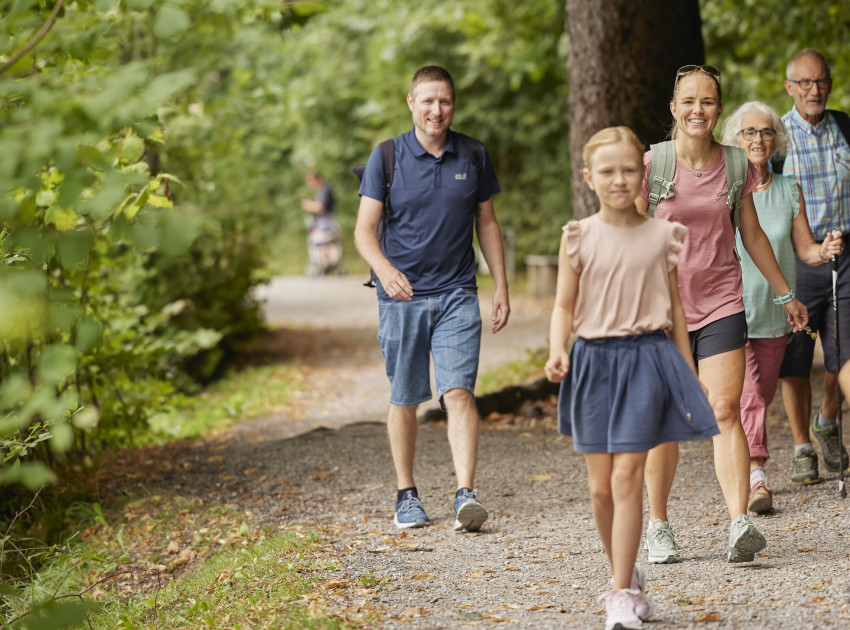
[[620, 608], [643, 607]]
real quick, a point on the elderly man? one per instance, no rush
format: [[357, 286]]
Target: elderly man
[[442, 189], [819, 157]]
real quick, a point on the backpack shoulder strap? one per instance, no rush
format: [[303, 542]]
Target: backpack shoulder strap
[[843, 121], [661, 170], [476, 155], [736, 177], [388, 161], [388, 164]]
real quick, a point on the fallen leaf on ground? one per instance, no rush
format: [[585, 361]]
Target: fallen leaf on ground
[[413, 612], [420, 576], [709, 616]]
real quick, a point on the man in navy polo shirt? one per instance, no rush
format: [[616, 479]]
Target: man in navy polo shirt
[[427, 294]]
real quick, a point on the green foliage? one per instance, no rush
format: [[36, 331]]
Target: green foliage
[[120, 282], [752, 42]]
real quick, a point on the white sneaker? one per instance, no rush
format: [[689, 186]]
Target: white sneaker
[[660, 543], [744, 540]]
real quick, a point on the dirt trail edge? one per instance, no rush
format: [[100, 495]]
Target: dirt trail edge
[[538, 562]]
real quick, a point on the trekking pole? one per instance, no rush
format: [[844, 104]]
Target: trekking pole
[[842, 491]]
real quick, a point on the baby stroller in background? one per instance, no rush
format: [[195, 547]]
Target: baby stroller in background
[[324, 245]]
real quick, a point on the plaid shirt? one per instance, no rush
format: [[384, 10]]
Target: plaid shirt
[[819, 157]]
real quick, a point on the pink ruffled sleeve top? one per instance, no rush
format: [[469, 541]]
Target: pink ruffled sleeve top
[[623, 275]]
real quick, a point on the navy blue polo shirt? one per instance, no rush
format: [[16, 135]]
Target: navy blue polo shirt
[[433, 205]]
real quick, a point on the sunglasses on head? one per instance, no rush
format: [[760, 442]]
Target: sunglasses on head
[[684, 70]]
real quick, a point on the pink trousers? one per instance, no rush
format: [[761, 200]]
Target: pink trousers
[[764, 356]]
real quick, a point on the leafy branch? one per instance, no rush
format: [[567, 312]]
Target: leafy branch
[[32, 43], [12, 524]]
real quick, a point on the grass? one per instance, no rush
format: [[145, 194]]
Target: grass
[[278, 581], [127, 567], [240, 395], [518, 372]]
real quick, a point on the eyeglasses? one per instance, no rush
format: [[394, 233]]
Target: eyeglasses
[[806, 84], [715, 72], [750, 133]]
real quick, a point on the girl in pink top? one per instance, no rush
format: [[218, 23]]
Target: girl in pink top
[[710, 282], [632, 382]]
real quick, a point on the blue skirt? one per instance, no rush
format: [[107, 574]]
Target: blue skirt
[[629, 394]]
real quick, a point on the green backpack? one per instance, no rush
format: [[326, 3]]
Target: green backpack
[[663, 166]]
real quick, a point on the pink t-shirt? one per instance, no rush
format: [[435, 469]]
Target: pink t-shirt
[[623, 275], [709, 272]]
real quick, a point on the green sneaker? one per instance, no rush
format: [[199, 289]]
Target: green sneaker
[[804, 468], [744, 540], [830, 445], [660, 543]]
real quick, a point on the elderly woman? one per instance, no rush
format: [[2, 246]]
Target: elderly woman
[[781, 211]]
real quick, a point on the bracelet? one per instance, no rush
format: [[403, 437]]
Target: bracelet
[[784, 299]]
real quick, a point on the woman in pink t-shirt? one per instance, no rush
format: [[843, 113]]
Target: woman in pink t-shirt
[[711, 290]]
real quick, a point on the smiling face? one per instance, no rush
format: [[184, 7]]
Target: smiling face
[[810, 103], [696, 105], [432, 105], [758, 149], [615, 174]]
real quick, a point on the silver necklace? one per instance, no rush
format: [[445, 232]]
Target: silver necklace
[[694, 168]]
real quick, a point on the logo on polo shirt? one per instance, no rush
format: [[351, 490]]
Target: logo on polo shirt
[[460, 176]]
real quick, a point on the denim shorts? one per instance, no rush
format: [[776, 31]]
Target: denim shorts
[[726, 334], [447, 326]]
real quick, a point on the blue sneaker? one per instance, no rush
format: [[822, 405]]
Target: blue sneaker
[[470, 514], [409, 512]]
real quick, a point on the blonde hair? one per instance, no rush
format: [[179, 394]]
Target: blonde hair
[[610, 135]]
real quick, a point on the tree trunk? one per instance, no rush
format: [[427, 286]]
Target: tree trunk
[[622, 62]]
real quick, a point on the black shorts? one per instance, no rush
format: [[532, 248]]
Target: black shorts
[[814, 289], [725, 334]]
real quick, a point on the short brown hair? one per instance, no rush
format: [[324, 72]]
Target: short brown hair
[[426, 74]]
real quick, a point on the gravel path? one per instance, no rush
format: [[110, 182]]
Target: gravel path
[[538, 562]]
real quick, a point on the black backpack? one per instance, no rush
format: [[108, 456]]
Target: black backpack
[[387, 147], [843, 121]]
